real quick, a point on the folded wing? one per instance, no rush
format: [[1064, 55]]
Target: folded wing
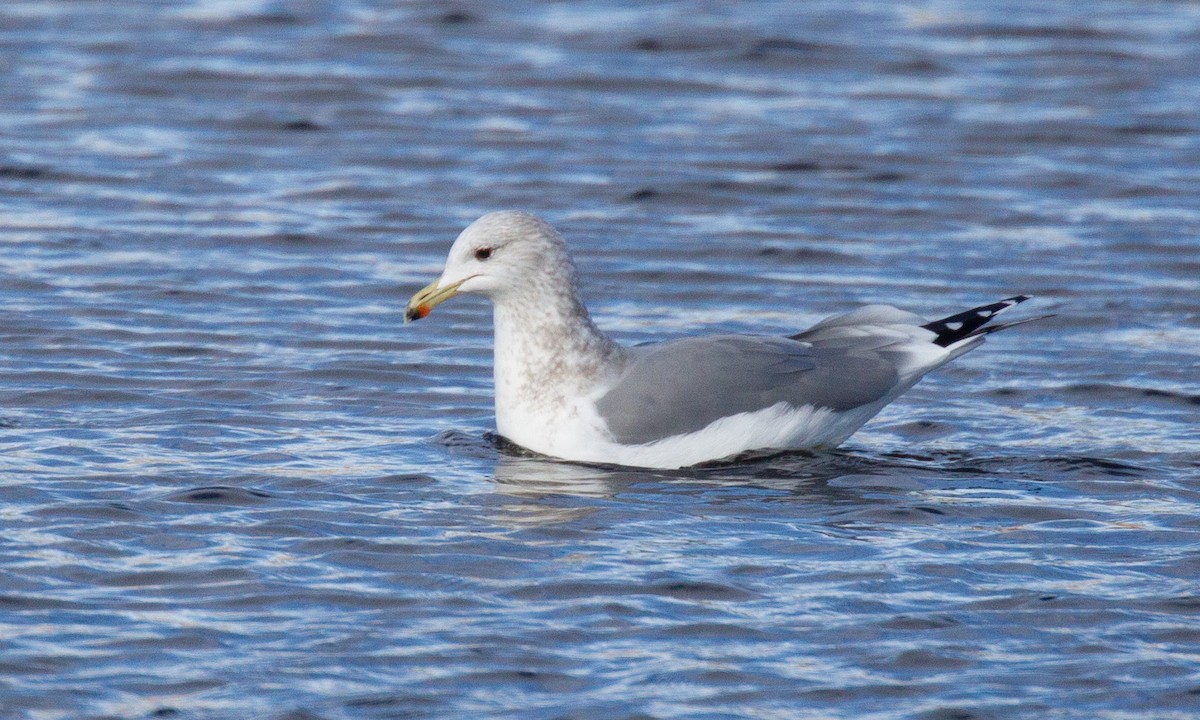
[[683, 386]]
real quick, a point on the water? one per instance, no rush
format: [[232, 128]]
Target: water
[[234, 486]]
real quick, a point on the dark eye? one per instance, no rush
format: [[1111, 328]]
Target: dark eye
[[483, 253]]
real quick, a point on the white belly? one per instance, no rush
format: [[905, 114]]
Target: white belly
[[579, 435]]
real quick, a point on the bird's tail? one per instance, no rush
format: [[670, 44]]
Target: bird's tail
[[975, 322]]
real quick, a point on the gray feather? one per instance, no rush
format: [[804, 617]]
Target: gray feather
[[683, 386]]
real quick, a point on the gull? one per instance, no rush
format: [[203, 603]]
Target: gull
[[566, 390]]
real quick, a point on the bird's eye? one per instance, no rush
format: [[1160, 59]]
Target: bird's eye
[[483, 253]]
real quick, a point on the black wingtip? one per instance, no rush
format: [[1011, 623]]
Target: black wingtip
[[971, 322]]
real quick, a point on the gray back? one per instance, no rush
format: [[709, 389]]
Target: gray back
[[685, 385]]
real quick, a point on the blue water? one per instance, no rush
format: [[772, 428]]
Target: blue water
[[233, 485]]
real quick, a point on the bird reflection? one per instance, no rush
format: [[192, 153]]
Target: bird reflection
[[519, 472]]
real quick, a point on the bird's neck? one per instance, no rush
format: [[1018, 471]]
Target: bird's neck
[[547, 351]]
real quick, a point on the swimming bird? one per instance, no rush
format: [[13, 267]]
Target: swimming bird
[[565, 389]]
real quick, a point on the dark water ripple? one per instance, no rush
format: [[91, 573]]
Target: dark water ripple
[[233, 486]]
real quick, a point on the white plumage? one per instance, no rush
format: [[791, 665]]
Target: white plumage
[[566, 390]]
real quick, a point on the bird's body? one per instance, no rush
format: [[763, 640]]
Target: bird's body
[[566, 390]]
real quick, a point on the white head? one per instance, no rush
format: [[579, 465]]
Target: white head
[[502, 255]]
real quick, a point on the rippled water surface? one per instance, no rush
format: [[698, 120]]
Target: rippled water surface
[[235, 486]]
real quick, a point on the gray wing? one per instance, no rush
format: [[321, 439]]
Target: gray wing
[[683, 386]]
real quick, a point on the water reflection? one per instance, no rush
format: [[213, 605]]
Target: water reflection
[[538, 477], [805, 473]]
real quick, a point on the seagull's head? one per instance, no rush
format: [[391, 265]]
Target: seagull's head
[[501, 254]]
